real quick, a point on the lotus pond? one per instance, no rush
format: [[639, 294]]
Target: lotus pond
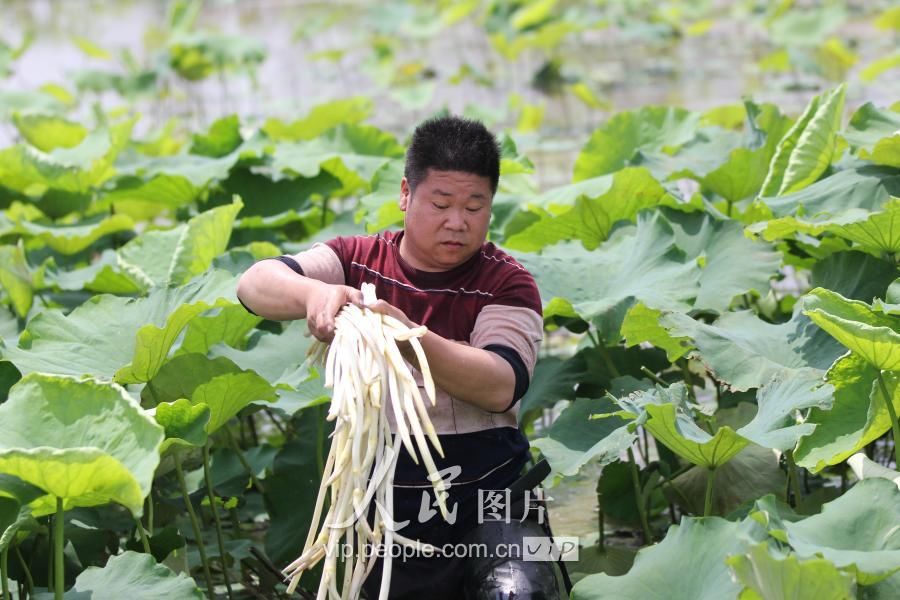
[[716, 238]]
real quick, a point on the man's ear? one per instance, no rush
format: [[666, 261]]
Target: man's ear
[[405, 194]]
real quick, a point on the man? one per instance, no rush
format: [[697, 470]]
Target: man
[[483, 315]]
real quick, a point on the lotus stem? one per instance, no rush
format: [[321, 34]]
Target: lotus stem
[[793, 479], [707, 501], [895, 425], [195, 525], [150, 511], [143, 534], [223, 560], [243, 460], [607, 359], [4, 569], [601, 534], [59, 580], [29, 580], [656, 378], [642, 510]]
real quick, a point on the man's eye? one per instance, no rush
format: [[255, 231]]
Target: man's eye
[[474, 210], [440, 206]]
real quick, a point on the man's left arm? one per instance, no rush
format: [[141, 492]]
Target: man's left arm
[[493, 372]]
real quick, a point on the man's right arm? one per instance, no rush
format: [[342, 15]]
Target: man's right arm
[[272, 290]]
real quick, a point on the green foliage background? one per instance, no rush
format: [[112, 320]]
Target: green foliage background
[[720, 286]]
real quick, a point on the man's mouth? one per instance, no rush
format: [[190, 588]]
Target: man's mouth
[[453, 244]]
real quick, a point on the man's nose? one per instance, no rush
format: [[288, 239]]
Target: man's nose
[[455, 221]]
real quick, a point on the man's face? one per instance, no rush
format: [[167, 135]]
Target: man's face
[[446, 220]]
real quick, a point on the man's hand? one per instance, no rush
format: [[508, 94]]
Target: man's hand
[[383, 307], [324, 304]]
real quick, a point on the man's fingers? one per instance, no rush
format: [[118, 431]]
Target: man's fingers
[[355, 297], [321, 327], [379, 306]]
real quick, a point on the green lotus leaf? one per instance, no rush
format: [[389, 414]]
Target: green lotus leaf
[[688, 563], [151, 339], [267, 200], [872, 335], [172, 257], [129, 85], [181, 375], [351, 153], [887, 151], [554, 379], [747, 352], [590, 218], [777, 423], [641, 324], [858, 415], [199, 171], [40, 101], [9, 515], [628, 135], [297, 396], [886, 589], [857, 531], [639, 263], [196, 54], [731, 263], [575, 439], [772, 513], [320, 119], [9, 326], [854, 192], [751, 472], [546, 37], [803, 27], [15, 279], [853, 274], [103, 276], [227, 394], [47, 132], [879, 233], [892, 306], [635, 403], [807, 148], [110, 337], [70, 173], [742, 175], [770, 577], [678, 432], [133, 575], [870, 125], [222, 138], [218, 383], [19, 490], [278, 358], [84, 441], [184, 423], [381, 204], [230, 325], [15, 495], [75, 237], [143, 200], [865, 468]]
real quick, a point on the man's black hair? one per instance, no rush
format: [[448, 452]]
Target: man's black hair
[[452, 143]]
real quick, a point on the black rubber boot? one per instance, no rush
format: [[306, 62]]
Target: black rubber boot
[[508, 578]]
